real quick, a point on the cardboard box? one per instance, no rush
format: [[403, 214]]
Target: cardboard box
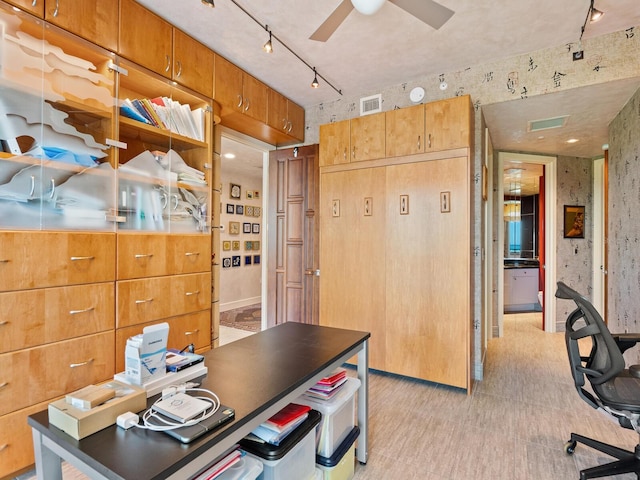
[[145, 354], [82, 423]]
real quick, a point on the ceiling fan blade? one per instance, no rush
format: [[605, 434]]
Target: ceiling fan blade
[[332, 23], [429, 11]]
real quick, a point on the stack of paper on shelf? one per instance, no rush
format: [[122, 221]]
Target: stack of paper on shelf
[[227, 461], [282, 423], [328, 386]]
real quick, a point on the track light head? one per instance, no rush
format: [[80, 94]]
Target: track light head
[[315, 83], [208, 3], [268, 47], [595, 15]]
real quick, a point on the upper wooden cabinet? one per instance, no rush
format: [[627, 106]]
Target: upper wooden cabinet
[[405, 131], [335, 143], [94, 20], [367, 137], [239, 92], [449, 124], [192, 63], [284, 115], [36, 7]]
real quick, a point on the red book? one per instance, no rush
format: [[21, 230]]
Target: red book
[[288, 415]]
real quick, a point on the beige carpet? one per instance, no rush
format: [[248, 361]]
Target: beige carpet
[[245, 318]]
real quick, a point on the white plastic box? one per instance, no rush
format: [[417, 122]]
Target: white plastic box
[[338, 416], [341, 466], [247, 468]]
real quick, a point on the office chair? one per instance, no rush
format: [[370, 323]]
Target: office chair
[[616, 389]]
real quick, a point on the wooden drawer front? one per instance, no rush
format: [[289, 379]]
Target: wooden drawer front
[[16, 441], [141, 255], [50, 259], [193, 328], [34, 317], [42, 373], [141, 301], [189, 254]]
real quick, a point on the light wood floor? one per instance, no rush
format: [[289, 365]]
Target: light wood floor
[[513, 426]]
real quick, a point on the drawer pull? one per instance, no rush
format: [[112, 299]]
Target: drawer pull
[[84, 310], [55, 12], [4, 260], [192, 333], [143, 255], [4, 322], [81, 364], [76, 259], [148, 300], [4, 384], [188, 294], [191, 254], [4, 447]]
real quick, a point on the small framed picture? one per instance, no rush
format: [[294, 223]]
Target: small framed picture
[[246, 227], [256, 259], [240, 209], [235, 261], [235, 245], [256, 245], [226, 262], [256, 211], [247, 260], [574, 221], [256, 194], [234, 190], [248, 245], [249, 194], [231, 208], [234, 228], [226, 245], [248, 211], [255, 228]]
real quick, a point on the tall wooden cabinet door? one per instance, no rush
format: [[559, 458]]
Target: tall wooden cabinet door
[[405, 131], [145, 38], [428, 279], [293, 283], [335, 143], [192, 63], [295, 113], [255, 98], [353, 255], [36, 7], [367, 137], [228, 84], [94, 20], [277, 115], [448, 124]]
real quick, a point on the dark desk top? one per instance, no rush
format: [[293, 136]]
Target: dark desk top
[[249, 375]]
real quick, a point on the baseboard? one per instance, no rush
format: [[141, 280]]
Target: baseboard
[[240, 303]]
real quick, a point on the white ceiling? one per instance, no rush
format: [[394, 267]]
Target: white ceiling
[[368, 53]]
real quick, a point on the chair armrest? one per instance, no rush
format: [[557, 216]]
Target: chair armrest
[[626, 340]]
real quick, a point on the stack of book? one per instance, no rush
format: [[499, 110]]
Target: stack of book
[[327, 387], [276, 428]]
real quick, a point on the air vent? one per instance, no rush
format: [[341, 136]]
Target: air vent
[[547, 123], [372, 104]]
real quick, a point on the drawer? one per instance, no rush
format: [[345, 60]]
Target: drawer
[[37, 374], [16, 440], [144, 300], [185, 329], [35, 317], [51, 259], [150, 255]]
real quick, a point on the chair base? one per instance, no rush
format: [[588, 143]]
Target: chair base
[[628, 462]]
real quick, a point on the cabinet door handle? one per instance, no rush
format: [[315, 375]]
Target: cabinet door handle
[[191, 254], [143, 255], [179, 68], [189, 294], [193, 332], [55, 11], [290, 127], [429, 143], [4, 384], [284, 123], [353, 152], [4, 260], [147, 300], [247, 104], [239, 101], [34, 3], [3, 447], [344, 155], [168, 67], [81, 364], [5, 322], [418, 142], [76, 259], [33, 186], [84, 310], [53, 188]]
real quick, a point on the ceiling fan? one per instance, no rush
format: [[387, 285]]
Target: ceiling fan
[[429, 11]]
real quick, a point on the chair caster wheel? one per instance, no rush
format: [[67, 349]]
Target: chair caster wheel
[[570, 447]]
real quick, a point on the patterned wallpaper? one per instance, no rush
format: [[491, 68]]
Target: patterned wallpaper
[[624, 227]]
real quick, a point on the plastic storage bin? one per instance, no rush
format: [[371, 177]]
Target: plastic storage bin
[[294, 458], [338, 416], [341, 465], [248, 468]]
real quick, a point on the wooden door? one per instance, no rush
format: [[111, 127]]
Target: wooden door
[[293, 236], [405, 131], [192, 63], [353, 255], [228, 84], [94, 20], [448, 124], [335, 143], [145, 38], [367, 137]]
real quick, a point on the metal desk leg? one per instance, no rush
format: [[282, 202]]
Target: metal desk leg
[[363, 402], [47, 462]]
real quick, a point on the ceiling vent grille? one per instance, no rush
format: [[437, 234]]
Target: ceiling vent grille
[[547, 123], [372, 104]]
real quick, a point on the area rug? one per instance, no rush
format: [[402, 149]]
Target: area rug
[[245, 318]]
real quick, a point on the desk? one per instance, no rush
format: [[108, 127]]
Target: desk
[[257, 376]]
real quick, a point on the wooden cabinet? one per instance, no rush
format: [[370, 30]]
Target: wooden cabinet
[[405, 131], [94, 20], [35, 7], [192, 63], [449, 124], [239, 92], [335, 143], [367, 137], [285, 116]]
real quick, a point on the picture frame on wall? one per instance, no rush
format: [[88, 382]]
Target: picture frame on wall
[[248, 245], [231, 208], [226, 262], [256, 259], [248, 211], [235, 261], [256, 194], [235, 190], [235, 245], [239, 209], [234, 228], [226, 245], [573, 221], [255, 228], [247, 260], [255, 245], [249, 194], [246, 227], [256, 211]]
